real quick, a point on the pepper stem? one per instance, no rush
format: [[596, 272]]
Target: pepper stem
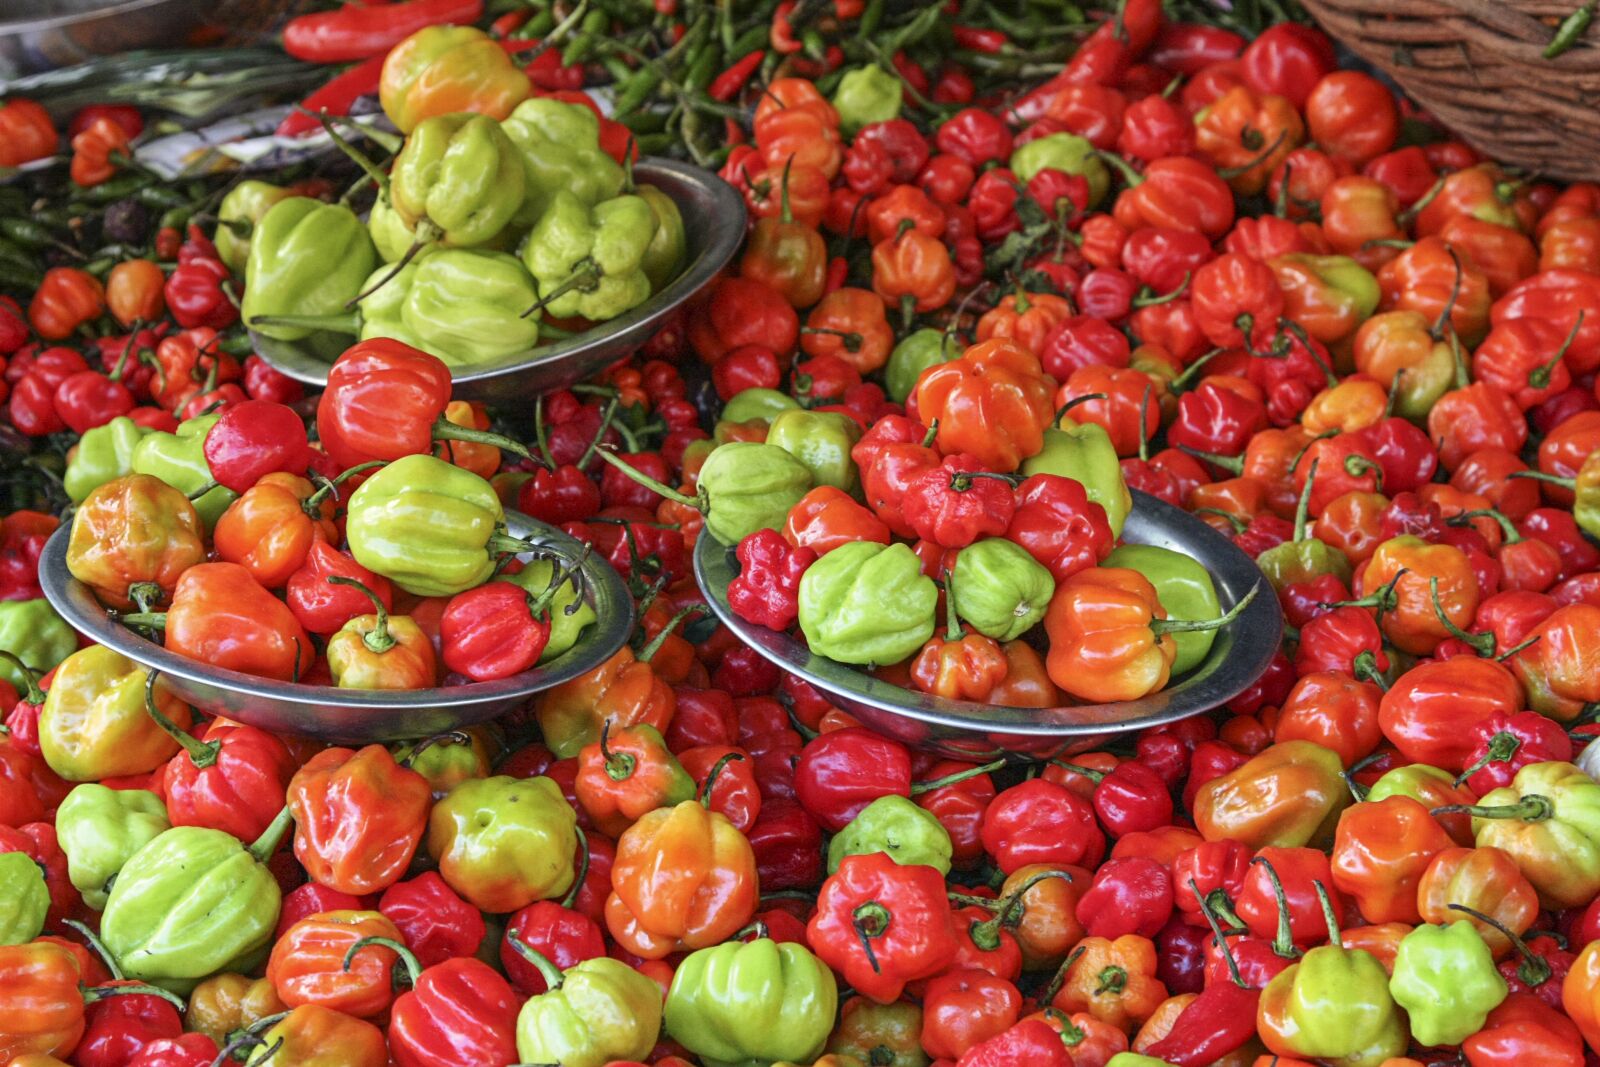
[[34, 695], [619, 765], [264, 846], [1534, 969], [155, 620], [1283, 939], [918, 788], [202, 754], [648, 651], [585, 277], [1169, 626], [407, 957], [445, 430], [552, 974], [328, 486], [140, 989], [378, 640], [1539, 377], [1216, 931], [660, 488], [97, 946], [348, 322], [1327, 911], [1302, 510], [870, 920], [1482, 643], [425, 233], [711, 777], [952, 625], [583, 870], [1077, 768], [1531, 808]]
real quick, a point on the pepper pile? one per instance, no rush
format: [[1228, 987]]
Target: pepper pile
[[1215, 269]]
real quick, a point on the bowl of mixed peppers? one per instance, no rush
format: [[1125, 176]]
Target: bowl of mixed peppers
[[1149, 247]]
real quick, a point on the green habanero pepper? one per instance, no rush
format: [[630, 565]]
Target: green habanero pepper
[[663, 259], [743, 487], [1445, 979], [1000, 589], [915, 353], [237, 217], [560, 148], [464, 305], [32, 631], [752, 1002], [391, 237], [866, 603], [866, 95], [589, 261], [1333, 1005], [504, 842], [429, 526], [100, 829], [565, 629], [194, 902], [179, 459], [1184, 588], [1303, 557], [595, 1012], [1064, 152], [822, 440], [24, 898], [95, 724], [1135, 1059], [104, 454], [750, 404], [1084, 453], [306, 258], [458, 179], [899, 828]]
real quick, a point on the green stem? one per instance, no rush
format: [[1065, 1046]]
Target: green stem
[[412, 964], [349, 322], [1170, 626], [201, 754], [378, 640], [1531, 808], [264, 846], [552, 974], [445, 430], [660, 488], [919, 788]]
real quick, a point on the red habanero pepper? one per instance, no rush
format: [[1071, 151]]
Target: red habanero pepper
[[882, 925], [436, 923], [767, 588]]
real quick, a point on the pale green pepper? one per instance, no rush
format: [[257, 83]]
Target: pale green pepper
[[1084, 453], [866, 95], [238, 215], [179, 459], [464, 305], [866, 603], [306, 258], [821, 440], [560, 148], [1445, 978], [589, 261], [103, 454], [100, 829], [898, 827], [458, 179], [915, 353], [1000, 589], [1065, 152], [24, 898]]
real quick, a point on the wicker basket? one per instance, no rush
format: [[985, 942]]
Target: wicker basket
[[1477, 66]]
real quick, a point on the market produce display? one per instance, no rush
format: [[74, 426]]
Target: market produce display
[[1007, 260]]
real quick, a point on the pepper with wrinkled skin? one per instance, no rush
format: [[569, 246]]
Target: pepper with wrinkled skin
[[1084, 453], [596, 1012], [821, 440], [440, 70], [1289, 795], [100, 829], [314, 1036], [1445, 979], [753, 1001], [179, 459], [238, 215], [191, 903], [999, 588], [27, 898], [458, 176], [134, 535], [1548, 819], [867, 603], [464, 305], [1067, 153], [306, 258], [103, 454], [503, 843], [588, 260], [743, 487], [359, 817], [93, 724], [565, 628], [560, 148], [898, 828]]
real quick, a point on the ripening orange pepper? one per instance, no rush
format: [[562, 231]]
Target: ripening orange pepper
[[1410, 569], [993, 403], [1289, 795], [913, 272], [1027, 682], [134, 292], [1115, 981], [622, 691], [307, 963], [1026, 318], [272, 526], [95, 149], [132, 540], [1443, 285], [1560, 672], [441, 70], [684, 878], [1353, 523], [1354, 404], [849, 323], [1248, 135], [1486, 880], [66, 299], [1333, 710], [358, 818], [827, 517], [1104, 644], [1380, 851], [41, 1007]]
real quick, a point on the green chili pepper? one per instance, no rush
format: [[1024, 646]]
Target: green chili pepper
[[429, 526], [1184, 588], [179, 459], [193, 902], [758, 403], [914, 354], [1064, 152], [32, 631], [26, 897], [1000, 589], [866, 95], [104, 454], [1572, 27], [898, 827], [589, 260], [752, 1002], [237, 217], [1085, 454], [560, 148], [458, 177], [100, 829], [306, 258], [821, 440], [1445, 978], [867, 603]]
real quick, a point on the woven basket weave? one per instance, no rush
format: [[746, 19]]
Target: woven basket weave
[[1477, 66]]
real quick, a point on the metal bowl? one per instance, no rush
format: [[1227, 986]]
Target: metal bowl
[[967, 730], [713, 223], [333, 714], [44, 34]]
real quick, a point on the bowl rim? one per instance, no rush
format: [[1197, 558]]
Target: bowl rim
[[1238, 657], [606, 593], [721, 243]]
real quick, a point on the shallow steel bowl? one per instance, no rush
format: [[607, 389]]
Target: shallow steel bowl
[[968, 730], [333, 714], [713, 222], [44, 34]]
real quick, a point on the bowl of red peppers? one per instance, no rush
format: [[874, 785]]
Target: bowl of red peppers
[[344, 714], [884, 700]]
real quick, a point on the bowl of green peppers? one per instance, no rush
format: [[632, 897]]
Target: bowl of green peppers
[[959, 729], [467, 305], [355, 715]]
